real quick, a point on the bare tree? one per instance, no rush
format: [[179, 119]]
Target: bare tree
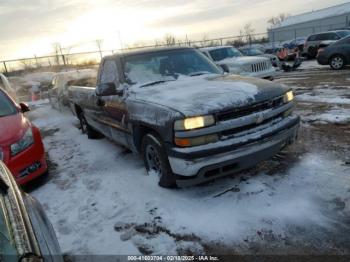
[[204, 41], [58, 52], [26, 63], [169, 40], [57, 47], [249, 32], [277, 20]]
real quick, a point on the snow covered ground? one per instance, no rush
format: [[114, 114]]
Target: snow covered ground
[[101, 200]]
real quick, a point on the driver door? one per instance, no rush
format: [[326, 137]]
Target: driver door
[[114, 107]]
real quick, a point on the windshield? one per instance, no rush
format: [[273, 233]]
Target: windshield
[[251, 52], [6, 106], [162, 66], [223, 53], [343, 33]]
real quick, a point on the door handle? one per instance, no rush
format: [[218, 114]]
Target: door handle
[[100, 102]]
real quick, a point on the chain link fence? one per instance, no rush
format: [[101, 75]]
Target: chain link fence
[[83, 59]]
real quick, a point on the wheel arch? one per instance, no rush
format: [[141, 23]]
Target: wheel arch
[[78, 110], [140, 131], [338, 54]]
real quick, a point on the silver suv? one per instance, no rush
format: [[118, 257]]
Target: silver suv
[[313, 41]]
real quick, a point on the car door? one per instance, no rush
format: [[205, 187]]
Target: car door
[[114, 107]]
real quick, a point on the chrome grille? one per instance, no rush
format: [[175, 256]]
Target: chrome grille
[[244, 111], [261, 66]]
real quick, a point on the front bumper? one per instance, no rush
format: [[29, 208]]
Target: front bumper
[[232, 158], [322, 59]]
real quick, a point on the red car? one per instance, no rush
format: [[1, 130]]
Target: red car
[[21, 147]]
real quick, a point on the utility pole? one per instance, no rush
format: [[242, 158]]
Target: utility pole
[[99, 44], [120, 39]]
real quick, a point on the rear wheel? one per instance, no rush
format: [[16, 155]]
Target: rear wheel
[[87, 129], [156, 160], [337, 62]]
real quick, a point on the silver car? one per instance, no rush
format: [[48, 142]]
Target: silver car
[[232, 59]]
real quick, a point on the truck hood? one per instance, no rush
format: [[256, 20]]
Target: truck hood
[[201, 95], [242, 60]]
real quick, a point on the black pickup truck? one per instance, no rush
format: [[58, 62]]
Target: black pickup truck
[[190, 121]]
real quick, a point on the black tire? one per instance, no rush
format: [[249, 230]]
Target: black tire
[[151, 144], [337, 62], [312, 52], [87, 129]]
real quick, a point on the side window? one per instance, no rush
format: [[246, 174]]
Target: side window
[[331, 36], [319, 37], [109, 72], [312, 38]]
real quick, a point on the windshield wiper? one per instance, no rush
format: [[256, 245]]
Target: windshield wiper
[[199, 73], [156, 82]]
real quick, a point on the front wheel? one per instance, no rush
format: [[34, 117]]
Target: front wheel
[[337, 62], [156, 160]]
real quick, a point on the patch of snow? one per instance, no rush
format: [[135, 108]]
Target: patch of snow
[[324, 99], [101, 201], [335, 115], [311, 64]]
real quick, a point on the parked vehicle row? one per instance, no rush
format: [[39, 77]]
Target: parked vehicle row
[[188, 120], [233, 61]]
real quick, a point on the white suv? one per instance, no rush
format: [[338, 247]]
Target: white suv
[[236, 63]]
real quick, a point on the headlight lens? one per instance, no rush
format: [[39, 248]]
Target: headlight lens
[[289, 96], [194, 122], [26, 141]]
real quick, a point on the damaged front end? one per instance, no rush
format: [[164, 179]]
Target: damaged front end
[[243, 137]]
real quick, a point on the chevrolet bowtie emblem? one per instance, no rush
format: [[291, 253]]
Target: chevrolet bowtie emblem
[[259, 119]]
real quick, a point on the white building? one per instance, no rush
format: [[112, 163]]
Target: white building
[[331, 18]]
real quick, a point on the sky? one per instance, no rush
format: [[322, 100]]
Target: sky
[[31, 27]]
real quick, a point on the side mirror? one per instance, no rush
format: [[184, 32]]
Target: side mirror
[[225, 68], [107, 89], [24, 107]]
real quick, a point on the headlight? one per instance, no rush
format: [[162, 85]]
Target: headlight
[[1, 154], [26, 141], [194, 122], [289, 96]]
